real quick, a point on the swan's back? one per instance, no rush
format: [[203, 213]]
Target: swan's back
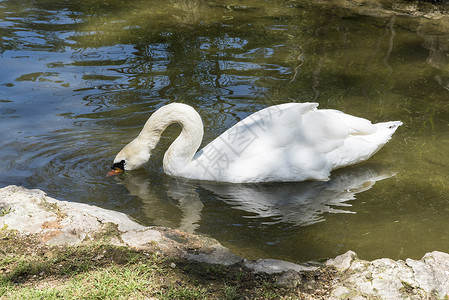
[[289, 142]]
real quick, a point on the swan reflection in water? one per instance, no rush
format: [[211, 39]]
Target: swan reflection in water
[[299, 203]]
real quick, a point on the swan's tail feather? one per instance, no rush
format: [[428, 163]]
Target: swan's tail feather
[[358, 148], [384, 132], [391, 125]]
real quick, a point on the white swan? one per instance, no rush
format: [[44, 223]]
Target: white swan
[[287, 142]]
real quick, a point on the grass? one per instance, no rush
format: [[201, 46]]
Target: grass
[[30, 270], [5, 211]]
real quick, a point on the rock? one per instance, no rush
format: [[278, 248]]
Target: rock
[[342, 262], [388, 279], [141, 238], [21, 202], [271, 266], [340, 292], [432, 272], [290, 279], [58, 222], [218, 255]]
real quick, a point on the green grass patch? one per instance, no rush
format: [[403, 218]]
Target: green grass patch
[[30, 270]]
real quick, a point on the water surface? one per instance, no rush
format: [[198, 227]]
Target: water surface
[[79, 79]]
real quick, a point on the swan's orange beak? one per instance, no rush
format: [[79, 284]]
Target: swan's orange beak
[[116, 171]]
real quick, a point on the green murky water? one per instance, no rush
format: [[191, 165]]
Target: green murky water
[[79, 78]]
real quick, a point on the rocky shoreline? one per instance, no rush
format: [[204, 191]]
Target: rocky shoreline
[[431, 10], [55, 222]]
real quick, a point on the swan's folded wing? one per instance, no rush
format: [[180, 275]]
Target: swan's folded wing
[[258, 135], [266, 128]]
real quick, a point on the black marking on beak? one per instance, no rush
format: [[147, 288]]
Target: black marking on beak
[[120, 165]]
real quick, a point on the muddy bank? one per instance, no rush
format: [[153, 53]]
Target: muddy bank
[[55, 222]]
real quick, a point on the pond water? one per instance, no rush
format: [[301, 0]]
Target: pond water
[[79, 78]]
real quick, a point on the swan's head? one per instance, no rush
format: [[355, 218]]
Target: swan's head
[[132, 156], [117, 168]]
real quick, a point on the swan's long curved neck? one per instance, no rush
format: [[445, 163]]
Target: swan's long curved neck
[[184, 147]]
